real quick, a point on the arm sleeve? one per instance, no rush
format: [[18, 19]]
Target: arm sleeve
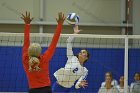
[[131, 87], [81, 78], [26, 41], [69, 47], [50, 51]]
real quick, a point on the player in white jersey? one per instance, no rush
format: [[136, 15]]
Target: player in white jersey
[[73, 69]]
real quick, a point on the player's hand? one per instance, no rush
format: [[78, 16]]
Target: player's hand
[[27, 18], [76, 29], [83, 84], [60, 18]]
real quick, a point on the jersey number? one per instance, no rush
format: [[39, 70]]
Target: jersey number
[[75, 70]]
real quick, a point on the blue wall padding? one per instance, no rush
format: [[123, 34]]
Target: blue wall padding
[[13, 78]]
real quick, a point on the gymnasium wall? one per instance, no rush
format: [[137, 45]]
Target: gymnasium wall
[[91, 12], [136, 15]]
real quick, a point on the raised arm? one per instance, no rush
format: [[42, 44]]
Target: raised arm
[[26, 43], [50, 51], [69, 47], [69, 42]]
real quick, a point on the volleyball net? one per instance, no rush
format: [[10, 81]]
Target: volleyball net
[[118, 54]]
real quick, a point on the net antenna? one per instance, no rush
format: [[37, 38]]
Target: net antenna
[[128, 6]]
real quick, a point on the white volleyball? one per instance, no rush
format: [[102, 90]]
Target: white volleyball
[[72, 18]]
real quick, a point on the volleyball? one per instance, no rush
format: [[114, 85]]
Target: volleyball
[[72, 19], [34, 50]]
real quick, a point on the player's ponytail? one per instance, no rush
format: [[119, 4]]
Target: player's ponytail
[[34, 51], [34, 64]]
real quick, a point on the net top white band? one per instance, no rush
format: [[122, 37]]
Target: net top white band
[[67, 35]]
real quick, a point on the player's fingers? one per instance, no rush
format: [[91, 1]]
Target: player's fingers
[[64, 17], [23, 16], [86, 84], [29, 15], [60, 15], [84, 81], [26, 13]]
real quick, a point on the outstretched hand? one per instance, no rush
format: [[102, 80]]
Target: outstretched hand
[[76, 29], [60, 18], [27, 18], [83, 84]]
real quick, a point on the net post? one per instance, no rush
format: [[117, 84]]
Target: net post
[[126, 65]]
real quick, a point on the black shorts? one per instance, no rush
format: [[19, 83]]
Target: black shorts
[[46, 89]]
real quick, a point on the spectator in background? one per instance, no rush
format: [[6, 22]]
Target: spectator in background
[[108, 87], [113, 81], [135, 86], [120, 87]]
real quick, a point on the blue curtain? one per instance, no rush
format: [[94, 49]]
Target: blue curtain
[[13, 78]]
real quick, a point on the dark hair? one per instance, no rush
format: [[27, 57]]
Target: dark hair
[[137, 73], [88, 55]]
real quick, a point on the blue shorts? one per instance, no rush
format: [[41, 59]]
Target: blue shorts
[[56, 88]]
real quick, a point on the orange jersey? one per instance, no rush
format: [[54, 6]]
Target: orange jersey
[[41, 78]]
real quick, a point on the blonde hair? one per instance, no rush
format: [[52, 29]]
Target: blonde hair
[[34, 64], [33, 60], [34, 50]]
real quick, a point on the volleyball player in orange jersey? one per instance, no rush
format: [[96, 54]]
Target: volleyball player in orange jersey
[[38, 74]]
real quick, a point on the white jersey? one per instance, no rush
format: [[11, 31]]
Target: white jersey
[[114, 83], [132, 86], [105, 90], [72, 71], [121, 90]]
